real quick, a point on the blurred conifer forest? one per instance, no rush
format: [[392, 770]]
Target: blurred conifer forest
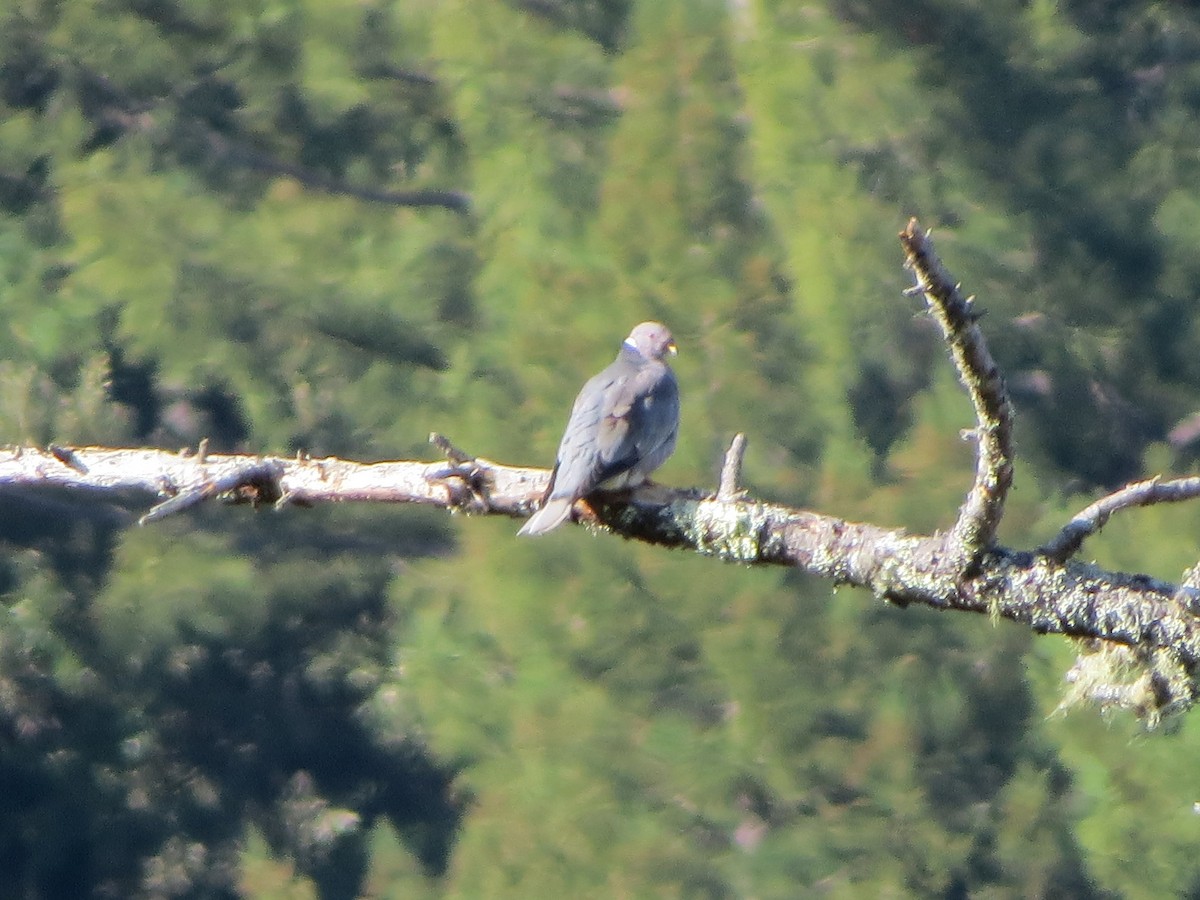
[[335, 225]]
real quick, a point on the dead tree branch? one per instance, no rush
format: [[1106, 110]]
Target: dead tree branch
[[1141, 635], [975, 531], [1088, 521], [182, 480]]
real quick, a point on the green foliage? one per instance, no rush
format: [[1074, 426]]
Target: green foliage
[[204, 234]]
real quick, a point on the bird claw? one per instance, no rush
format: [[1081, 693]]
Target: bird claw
[[467, 479], [468, 484]]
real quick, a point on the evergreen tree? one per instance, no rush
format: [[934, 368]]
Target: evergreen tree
[[332, 227]]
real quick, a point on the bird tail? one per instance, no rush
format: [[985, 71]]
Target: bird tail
[[552, 514]]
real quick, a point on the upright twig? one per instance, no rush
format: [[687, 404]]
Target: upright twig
[[731, 469], [978, 518]]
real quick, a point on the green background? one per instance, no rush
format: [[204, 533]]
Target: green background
[[203, 234]]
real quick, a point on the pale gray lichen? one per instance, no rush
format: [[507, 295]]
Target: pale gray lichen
[[729, 531], [1150, 682]]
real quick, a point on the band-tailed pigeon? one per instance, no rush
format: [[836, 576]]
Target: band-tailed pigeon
[[622, 427]]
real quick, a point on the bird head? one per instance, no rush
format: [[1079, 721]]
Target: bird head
[[652, 340]]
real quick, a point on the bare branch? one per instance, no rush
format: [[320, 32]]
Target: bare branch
[[1073, 599], [975, 531], [1088, 521], [187, 479]]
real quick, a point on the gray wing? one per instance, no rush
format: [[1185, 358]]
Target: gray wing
[[580, 455], [638, 430], [622, 428]]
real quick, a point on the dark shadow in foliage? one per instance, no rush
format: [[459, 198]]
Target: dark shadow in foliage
[[325, 147], [327, 532], [28, 78], [281, 705], [67, 830], [1101, 436], [1082, 422], [108, 109], [881, 408], [603, 21], [170, 18], [897, 355], [1004, 107], [447, 273], [229, 427], [137, 778], [970, 751], [134, 384], [212, 101], [211, 412], [1055, 139], [20, 190], [379, 332], [198, 124], [126, 780], [76, 536]]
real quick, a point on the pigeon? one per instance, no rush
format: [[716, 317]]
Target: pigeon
[[622, 427]]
